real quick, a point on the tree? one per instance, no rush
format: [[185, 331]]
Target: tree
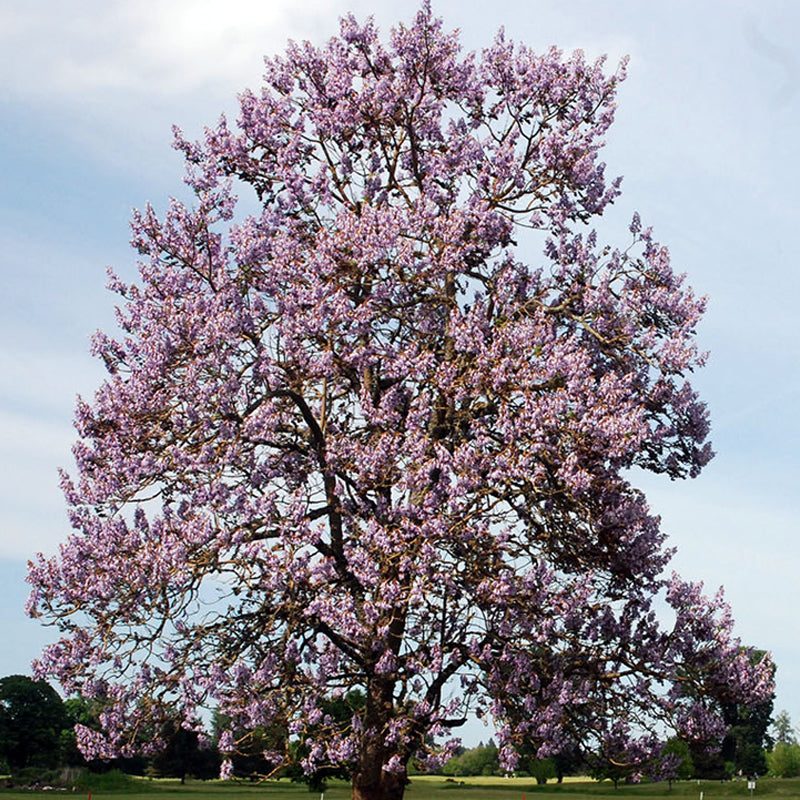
[[182, 755], [568, 761], [77, 711], [615, 768], [480, 760], [337, 711], [784, 760], [674, 762], [247, 749], [31, 720], [747, 737], [542, 769], [358, 439], [783, 728], [81, 713]]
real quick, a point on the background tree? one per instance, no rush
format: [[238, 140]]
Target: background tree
[[89, 714], [782, 729], [742, 750], [31, 720], [480, 760], [338, 711], [567, 761], [77, 711], [615, 768], [359, 440], [184, 755], [674, 762], [246, 748], [748, 736], [542, 769], [784, 760]]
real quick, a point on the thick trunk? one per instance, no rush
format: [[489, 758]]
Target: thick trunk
[[370, 780], [374, 783]]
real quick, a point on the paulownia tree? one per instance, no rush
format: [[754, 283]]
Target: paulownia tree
[[363, 439]]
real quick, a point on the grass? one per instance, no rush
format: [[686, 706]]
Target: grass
[[431, 788]]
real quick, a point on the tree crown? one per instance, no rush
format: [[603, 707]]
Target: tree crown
[[355, 440]]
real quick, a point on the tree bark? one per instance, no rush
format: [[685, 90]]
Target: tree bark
[[376, 784], [370, 780]]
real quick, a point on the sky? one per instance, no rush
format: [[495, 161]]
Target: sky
[[706, 138]]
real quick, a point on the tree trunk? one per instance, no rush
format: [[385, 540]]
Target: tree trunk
[[370, 780], [374, 783]]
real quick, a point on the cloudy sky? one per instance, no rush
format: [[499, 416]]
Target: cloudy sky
[[706, 136]]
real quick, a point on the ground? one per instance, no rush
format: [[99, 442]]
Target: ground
[[440, 789]]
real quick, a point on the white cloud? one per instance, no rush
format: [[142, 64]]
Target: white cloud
[[116, 74], [82, 49]]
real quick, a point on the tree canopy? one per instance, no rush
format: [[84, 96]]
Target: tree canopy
[[380, 433], [783, 728], [32, 717]]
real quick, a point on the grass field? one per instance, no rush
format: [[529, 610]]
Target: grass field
[[434, 788]]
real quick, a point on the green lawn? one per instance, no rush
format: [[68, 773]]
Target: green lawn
[[428, 788]]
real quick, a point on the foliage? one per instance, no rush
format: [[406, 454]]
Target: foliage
[[543, 769], [709, 763], [84, 713], [674, 761], [113, 780], [77, 711], [615, 766], [480, 760], [247, 749], [742, 749], [337, 711], [784, 760], [183, 756], [566, 762], [748, 733], [783, 729], [31, 720], [355, 441]]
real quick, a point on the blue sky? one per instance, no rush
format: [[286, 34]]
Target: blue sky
[[706, 136]]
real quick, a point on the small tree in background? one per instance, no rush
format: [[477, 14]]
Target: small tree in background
[[674, 762], [184, 755], [379, 435], [748, 735], [783, 730], [31, 720], [480, 760], [784, 760], [542, 769], [338, 711]]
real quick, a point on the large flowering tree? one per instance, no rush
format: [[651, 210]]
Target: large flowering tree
[[380, 433]]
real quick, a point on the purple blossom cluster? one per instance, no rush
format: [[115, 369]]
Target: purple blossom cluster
[[356, 441]]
